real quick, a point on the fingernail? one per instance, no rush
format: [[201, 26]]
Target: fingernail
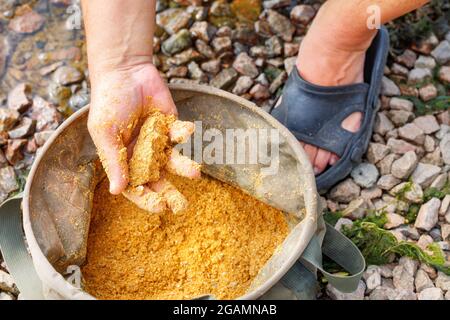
[[316, 170]]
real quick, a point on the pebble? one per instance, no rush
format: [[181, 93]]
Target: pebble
[[356, 209], [23, 129], [18, 98], [403, 279], [384, 165], [382, 124], [401, 104], [444, 205], [444, 74], [245, 65], [425, 173], [401, 147], [13, 151], [404, 166], [221, 44], [28, 22], [177, 42], [280, 25], [377, 152], [46, 115], [387, 182], [8, 180], [365, 174], [427, 123], [428, 92], [443, 281], [439, 182], [424, 241], [224, 78], [302, 14], [173, 20], [343, 222], [67, 75], [211, 66], [393, 220], [289, 64], [243, 84], [412, 133], [358, 294], [430, 294], [407, 58], [389, 88], [42, 137], [400, 117], [372, 277], [259, 92], [428, 215], [419, 75], [345, 191], [444, 145], [8, 118], [410, 191], [425, 62], [442, 52]]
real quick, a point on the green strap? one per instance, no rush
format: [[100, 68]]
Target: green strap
[[341, 250], [14, 250]]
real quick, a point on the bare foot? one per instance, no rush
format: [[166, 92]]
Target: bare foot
[[328, 64]]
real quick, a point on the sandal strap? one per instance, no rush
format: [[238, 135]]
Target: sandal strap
[[314, 114]]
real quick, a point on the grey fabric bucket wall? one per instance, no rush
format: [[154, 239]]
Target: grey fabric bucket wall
[[58, 198]]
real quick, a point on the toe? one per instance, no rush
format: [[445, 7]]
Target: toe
[[311, 151], [333, 159], [321, 161]]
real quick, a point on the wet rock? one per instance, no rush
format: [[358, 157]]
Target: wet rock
[[431, 294], [178, 72], [196, 73], [245, 65], [212, 66], [393, 220], [345, 191], [67, 75], [358, 294], [259, 92], [173, 20], [442, 52], [290, 49], [419, 75], [42, 137], [412, 133], [365, 174], [382, 124], [389, 88], [19, 97], [408, 58], [243, 84], [428, 215], [403, 167], [302, 14], [387, 182], [278, 82], [8, 180], [184, 57], [424, 174], [400, 117], [79, 100], [280, 25], [428, 92], [221, 44], [8, 118], [224, 78], [444, 74], [376, 152], [14, 150], [46, 115], [274, 46], [28, 22], [202, 30], [24, 129], [444, 145], [177, 42]]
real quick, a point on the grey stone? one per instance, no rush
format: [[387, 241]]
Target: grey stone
[[371, 193], [280, 25], [382, 293], [389, 88], [211, 66], [245, 65], [224, 78], [260, 92], [387, 182], [42, 136], [408, 231], [376, 152], [428, 215], [401, 104], [439, 182], [204, 49], [46, 115], [274, 46], [372, 277], [429, 144], [403, 167], [443, 281], [400, 117], [243, 84], [444, 205], [358, 294], [177, 42], [419, 75], [365, 174], [345, 191], [403, 279], [425, 62], [425, 173], [442, 52], [424, 241]]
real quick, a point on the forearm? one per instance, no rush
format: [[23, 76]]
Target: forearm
[[119, 33]]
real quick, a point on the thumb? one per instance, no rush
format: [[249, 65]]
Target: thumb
[[113, 155]]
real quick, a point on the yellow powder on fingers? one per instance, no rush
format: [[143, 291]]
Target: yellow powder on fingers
[[215, 246], [150, 152]]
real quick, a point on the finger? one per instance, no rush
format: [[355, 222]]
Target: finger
[[145, 198], [180, 131], [333, 159], [182, 166], [321, 161], [175, 200], [113, 155]]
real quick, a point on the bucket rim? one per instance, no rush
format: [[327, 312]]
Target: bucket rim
[[310, 195]]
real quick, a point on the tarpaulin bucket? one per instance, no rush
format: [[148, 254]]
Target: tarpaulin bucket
[[57, 201]]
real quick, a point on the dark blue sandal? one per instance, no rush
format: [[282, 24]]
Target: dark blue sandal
[[314, 114]]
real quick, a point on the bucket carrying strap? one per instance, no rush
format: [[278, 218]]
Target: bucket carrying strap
[[338, 248], [14, 250]]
